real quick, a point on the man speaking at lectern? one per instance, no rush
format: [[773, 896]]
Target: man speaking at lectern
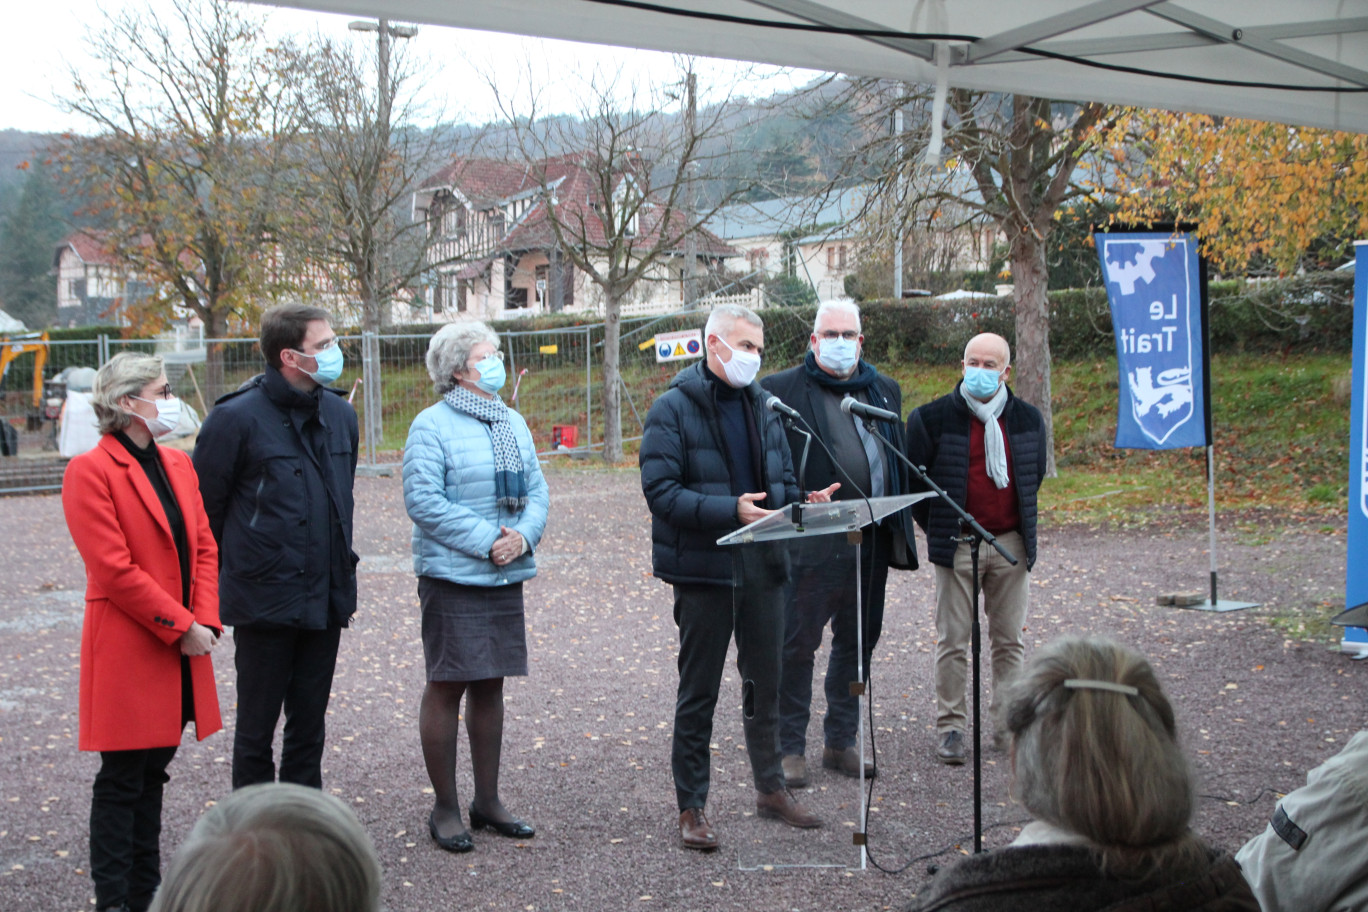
[[714, 459], [823, 587], [987, 449]]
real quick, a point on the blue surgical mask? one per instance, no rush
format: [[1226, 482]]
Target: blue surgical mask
[[838, 355], [492, 374], [329, 362], [980, 382]]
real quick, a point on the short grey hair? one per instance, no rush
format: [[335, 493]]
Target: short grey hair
[[724, 316], [125, 374], [274, 847], [450, 348], [1100, 763], [845, 307]]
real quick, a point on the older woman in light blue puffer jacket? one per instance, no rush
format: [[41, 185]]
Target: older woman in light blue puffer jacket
[[478, 501]]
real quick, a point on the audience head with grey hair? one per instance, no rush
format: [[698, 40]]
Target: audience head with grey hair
[[125, 374], [1096, 752], [274, 847], [449, 352]]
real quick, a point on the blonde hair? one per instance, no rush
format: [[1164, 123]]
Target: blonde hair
[[1101, 763], [274, 847], [125, 374]]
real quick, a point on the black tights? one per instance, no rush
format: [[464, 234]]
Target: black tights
[[439, 728]]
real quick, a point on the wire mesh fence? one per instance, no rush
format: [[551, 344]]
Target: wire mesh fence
[[555, 382]]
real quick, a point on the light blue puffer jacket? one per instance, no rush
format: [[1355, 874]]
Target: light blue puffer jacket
[[449, 493]]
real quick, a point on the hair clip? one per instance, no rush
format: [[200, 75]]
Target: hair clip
[[1087, 684]]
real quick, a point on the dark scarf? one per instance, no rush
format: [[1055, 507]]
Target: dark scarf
[[863, 380]]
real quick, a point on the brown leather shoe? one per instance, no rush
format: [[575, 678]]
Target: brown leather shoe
[[847, 762], [695, 831], [781, 805], [795, 771]]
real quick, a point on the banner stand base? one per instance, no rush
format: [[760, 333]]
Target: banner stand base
[[1355, 643], [1220, 605]]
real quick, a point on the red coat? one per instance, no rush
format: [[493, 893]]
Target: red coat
[[134, 619]]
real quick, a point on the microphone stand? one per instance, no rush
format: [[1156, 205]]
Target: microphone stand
[[975, 536]]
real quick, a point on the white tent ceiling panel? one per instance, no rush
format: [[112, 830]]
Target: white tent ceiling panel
[[1293, 61]]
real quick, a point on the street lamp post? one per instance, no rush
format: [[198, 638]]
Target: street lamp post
[[371, 399]]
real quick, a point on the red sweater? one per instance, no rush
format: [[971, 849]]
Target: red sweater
[[994, 508]]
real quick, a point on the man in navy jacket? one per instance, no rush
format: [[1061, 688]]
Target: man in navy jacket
[[987, 449], [714, 459], [276, 463]]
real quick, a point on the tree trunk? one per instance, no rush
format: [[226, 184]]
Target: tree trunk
[[1031, 360], [612, 395], [215, 327]]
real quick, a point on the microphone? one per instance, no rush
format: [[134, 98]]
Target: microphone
[[851, 405], [775, 404]]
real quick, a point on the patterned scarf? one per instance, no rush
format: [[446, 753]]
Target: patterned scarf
[[510, 486]]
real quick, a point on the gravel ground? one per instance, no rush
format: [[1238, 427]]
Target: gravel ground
[[586, 748]]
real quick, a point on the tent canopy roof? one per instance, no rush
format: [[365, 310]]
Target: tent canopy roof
[[1303, 62]]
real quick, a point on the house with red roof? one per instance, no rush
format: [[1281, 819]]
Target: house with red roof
[[496, 252], [92, 286]]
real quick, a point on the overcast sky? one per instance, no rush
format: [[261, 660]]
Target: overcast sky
[[43, 40]]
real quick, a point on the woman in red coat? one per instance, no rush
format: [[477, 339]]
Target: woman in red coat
[[151, 619]]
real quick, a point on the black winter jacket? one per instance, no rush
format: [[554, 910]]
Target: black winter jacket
[[687, 482], [282, 516], [938, 440]]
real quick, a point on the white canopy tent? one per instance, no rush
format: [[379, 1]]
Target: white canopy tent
[[1299, 62]]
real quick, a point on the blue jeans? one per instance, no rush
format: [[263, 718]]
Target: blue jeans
[[822, 591]]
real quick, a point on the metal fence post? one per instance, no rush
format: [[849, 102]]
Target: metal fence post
[[370, 393], [588, 389]]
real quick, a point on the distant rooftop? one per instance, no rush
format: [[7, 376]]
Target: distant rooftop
[[833, 211]]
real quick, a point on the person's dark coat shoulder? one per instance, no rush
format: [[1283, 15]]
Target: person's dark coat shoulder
[[1067, 877]]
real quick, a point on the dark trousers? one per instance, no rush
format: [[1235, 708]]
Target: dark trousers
[[823, 591], [708, 617], [282, 667], [125, 826]]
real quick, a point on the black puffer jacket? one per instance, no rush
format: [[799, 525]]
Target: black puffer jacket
[[687, 482], [282, 515], [938, 439]]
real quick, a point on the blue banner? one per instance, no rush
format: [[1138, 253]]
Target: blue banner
[[1356, 573], [1154, 285]]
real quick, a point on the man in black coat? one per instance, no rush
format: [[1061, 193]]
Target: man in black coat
[[823, 585], [713, 459], [276, 463], [987, 449]]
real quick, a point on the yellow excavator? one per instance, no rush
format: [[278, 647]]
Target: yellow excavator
[[11, 349]]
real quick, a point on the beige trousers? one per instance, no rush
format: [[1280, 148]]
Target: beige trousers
[[1005, 593]]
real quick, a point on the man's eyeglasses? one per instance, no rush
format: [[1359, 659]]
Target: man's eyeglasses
[[849, 335]]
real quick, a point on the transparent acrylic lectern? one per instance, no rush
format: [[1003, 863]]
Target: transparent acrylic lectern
[[823, 542]]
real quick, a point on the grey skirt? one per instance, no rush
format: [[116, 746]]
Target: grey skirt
[[472, 633]]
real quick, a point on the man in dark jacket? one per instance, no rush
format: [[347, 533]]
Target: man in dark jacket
[[276, 463], [713, 460], [987, 449], [823, 587]]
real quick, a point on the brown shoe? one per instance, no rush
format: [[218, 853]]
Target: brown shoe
[[795, 771], [781, 805], [847, 762], [695, 831]]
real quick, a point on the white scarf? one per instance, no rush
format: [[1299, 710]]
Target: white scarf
[[994, 449]]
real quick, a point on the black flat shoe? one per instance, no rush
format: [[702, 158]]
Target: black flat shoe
[[461, 842], [513, 829]]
